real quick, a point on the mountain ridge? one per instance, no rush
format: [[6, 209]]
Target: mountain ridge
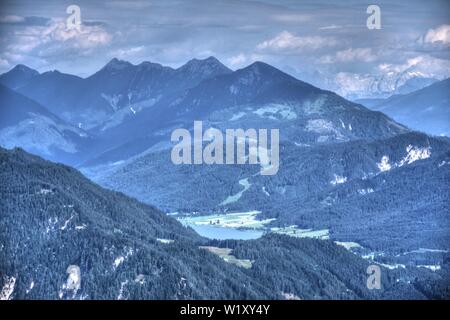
[[427, 109]]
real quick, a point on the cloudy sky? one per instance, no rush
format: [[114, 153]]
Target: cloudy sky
[[312, 40]]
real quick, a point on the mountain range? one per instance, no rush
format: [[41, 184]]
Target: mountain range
[[379, 86], [356, 173], [426, 110]]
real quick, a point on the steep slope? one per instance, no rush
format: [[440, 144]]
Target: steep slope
[[368, 192], [63, 237], [25, 123], [53, 218], [56, 91], [17, 76], [258, 96], [427, 110]]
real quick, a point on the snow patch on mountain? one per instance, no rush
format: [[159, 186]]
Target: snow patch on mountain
[[325, 128], [44, 191], [66, 223], [321, 126], [388, 81], [348, 245], [300, 144], [113, 100], [51, 224], [311, 107], [120, 115], [348, 127], [443, 163], [81, 227], [430, 267], [234, 198], [338, 180], [276, 111], [392, 266], [363, 192], [140, 278], [30, 287], [165, 241], [120, 259], [384, 165], [8, 288], [415, 154]]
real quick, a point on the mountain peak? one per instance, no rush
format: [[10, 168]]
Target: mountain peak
[[147, 65], [262, 70], [17, 76], [24, 69], [117, 64], [207, 66], [210, 59], [259, 66]]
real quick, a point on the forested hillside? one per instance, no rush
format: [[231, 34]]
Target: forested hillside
[[54, 221]]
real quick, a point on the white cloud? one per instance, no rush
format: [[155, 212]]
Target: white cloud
[[241, 60], [55, 38], [387, 78], [130, 4], [4, 64], [422, 65], [287, 42], [359, 54], [11, 19], [127, 53], [440, 34], [291, 18], [238, 60], [330, 27], [349, 55]]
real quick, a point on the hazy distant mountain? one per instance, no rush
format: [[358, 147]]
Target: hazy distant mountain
[[414, 84], [25, 123], [427, 110], [57, 225], [252, 96], [56, 91], [355, 87], [17, 76]]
